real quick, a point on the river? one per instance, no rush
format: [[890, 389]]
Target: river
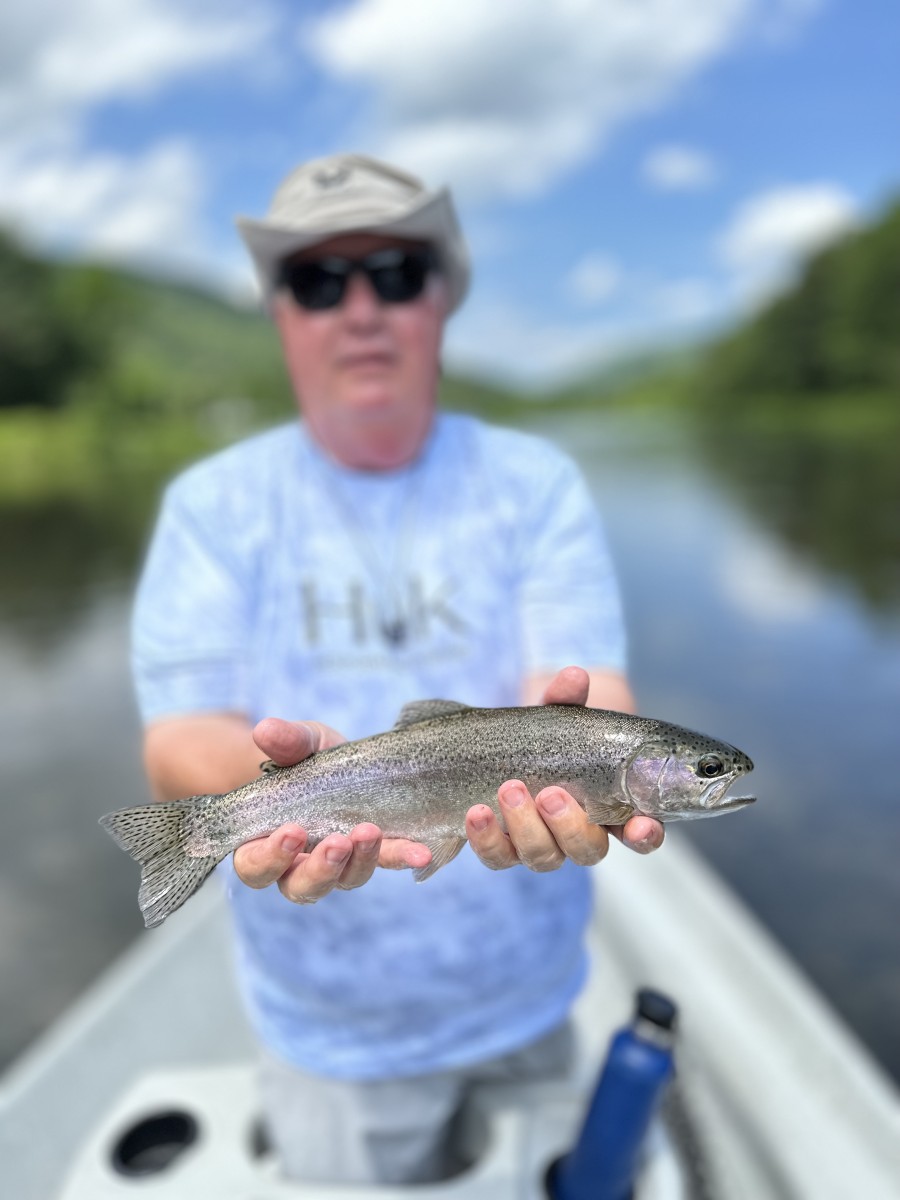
[[733, 629]]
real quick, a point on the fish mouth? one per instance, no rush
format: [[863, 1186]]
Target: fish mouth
[[727, 802], [716, 798]]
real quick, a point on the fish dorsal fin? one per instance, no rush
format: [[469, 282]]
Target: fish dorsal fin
[[427, 710]]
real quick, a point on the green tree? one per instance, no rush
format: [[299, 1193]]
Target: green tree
[[44, 345]]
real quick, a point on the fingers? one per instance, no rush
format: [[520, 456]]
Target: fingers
[[287, 742], [569, 686], [339, 861], [545, 830], [577, 837], [399, 853], [366, 847], [488, 840], [542, 832], [533, 840], [641, 834], [263, 860], [314, 875]]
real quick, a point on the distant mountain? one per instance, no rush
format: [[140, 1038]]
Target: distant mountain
[[629, 373]]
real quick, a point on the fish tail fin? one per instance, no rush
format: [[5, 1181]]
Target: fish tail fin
[[156, 835]]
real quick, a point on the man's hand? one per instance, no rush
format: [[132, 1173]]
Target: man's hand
[[338, 861], [544, 830]]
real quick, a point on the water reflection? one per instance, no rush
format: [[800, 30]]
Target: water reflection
[[58, 556], [835, 502]]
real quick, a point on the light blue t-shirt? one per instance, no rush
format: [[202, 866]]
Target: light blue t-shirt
[[281, 584]]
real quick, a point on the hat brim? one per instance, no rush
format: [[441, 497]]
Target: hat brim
[[433, 221]]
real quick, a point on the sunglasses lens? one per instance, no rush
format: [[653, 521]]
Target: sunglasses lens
[[315, 285], [397, 276]]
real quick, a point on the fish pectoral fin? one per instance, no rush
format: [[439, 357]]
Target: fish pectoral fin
[[442, 852], [605, 813], [427, 710]]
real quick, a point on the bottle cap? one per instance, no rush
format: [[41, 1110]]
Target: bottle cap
[[656, 1008]]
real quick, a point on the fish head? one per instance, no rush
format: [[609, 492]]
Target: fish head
[[682, 775]]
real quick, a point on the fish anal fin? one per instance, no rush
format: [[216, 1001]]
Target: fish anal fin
[[427, 710], [442, 852]]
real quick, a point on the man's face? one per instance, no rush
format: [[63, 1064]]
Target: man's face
[[365, 372]]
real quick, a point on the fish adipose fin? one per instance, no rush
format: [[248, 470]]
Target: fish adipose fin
[[155, 835], [442, 852], [427, 710]]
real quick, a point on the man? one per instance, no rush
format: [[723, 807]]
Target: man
[[375, 553]]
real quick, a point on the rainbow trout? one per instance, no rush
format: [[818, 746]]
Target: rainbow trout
[[419, 779]]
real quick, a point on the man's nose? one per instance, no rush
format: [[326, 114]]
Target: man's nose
[[361, 303]]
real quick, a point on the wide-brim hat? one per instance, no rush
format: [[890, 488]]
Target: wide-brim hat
[[347, 193]]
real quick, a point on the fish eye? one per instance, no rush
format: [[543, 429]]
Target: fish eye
[[710, 765]]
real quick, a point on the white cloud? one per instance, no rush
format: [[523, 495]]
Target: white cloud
[[105, 204], [503, 98], [772, 232], [594, 279], [142, 210], [678, 168], [57, 60], [58, 63]]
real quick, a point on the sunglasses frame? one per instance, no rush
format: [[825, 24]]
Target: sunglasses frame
[[337, 270]]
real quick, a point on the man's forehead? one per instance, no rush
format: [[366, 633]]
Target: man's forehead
[[354, 245]]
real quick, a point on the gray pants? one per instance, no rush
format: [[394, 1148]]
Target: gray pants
[[386, 1131]]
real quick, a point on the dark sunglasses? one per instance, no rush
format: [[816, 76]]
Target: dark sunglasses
[[397, 276]]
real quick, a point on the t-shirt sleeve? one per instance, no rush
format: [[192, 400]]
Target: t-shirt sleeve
[[570, 604], [190, 626]]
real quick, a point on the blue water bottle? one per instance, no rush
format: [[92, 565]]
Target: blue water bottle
[[603, 1163]]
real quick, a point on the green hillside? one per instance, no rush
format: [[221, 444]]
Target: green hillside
[[836, 333]]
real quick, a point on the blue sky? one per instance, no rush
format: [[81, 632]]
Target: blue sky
[[628, 173]]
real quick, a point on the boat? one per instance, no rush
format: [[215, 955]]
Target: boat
[[146, 1086]]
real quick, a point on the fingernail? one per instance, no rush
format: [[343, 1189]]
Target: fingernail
[[480, 823], [644, 846], [365, 847], [290, 843], [514, 797], [335, 855], [553, 803]]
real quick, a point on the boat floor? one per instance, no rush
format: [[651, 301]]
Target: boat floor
[[782, 1098]]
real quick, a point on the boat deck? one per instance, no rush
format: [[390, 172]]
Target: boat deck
[[786, 1100]]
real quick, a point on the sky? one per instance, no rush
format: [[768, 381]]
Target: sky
[[629, 173]]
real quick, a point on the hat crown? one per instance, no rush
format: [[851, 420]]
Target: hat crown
[[341, 185]]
